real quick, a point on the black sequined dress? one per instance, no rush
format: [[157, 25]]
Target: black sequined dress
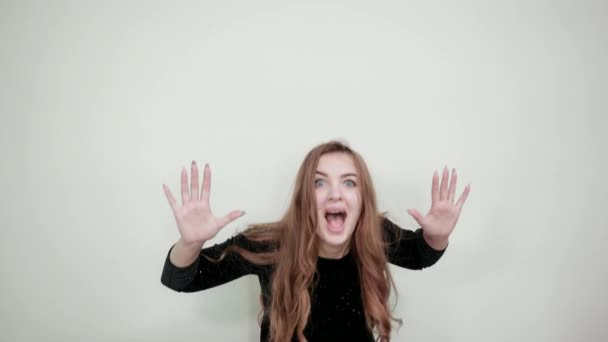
[[336, 308]]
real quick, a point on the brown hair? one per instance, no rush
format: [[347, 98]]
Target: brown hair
[[295, 258]]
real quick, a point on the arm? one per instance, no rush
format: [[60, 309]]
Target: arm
[[408, 249], [202, 273], [426, 245], [186, 267], [440, 221]]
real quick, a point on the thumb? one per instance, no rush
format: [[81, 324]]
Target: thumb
[[416, 215], [233, 215]]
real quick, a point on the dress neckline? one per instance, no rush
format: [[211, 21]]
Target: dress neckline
[[334, 260]]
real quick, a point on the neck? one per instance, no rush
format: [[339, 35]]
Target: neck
[[333, 252]]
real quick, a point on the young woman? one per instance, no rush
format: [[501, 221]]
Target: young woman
[[323, 267]]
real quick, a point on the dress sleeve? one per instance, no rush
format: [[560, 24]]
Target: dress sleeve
[[203, 273], [408, 249]]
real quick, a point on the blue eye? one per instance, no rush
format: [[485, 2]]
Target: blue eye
[[318, 183], [350, 183]]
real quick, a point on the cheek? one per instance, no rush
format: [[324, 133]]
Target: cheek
[[320, 199], [319, 195], [355, 201], [358, 209]]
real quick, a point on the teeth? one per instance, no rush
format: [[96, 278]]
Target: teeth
[[335, 212]]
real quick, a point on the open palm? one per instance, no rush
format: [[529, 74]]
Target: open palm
[[195, 221], [441, 219]]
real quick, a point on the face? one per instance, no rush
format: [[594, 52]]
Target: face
[[338, 203]]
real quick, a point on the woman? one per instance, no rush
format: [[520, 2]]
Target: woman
[[323, 267]]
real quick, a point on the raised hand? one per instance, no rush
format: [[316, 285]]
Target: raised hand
[[195, 221], [441, 219]]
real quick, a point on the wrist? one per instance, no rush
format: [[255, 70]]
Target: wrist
[[190, 245], [438, 243]]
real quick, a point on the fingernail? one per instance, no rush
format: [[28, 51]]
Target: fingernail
[[193, 163]]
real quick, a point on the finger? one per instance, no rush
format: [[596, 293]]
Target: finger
[[230, 217], [170, 198], [185, 191], [206, 184], [452, 190], [435, 188], [463, 197], [416, 215], [194, 181], [443, 192]]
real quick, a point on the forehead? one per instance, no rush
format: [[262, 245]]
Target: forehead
[[337, 162]]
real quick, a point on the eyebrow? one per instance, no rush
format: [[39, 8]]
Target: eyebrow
[[343, 176]]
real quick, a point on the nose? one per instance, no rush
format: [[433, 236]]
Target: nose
[[335, 192]]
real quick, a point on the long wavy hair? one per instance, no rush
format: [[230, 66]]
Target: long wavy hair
[[295, 257]]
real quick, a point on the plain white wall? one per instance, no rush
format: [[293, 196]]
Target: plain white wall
[[102, 102]]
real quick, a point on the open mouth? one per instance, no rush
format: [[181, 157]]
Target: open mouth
[[335, 220]]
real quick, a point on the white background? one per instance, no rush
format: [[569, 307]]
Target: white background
[[103, 102]]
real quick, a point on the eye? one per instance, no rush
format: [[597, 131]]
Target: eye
[[349, 183], [319, 182]]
